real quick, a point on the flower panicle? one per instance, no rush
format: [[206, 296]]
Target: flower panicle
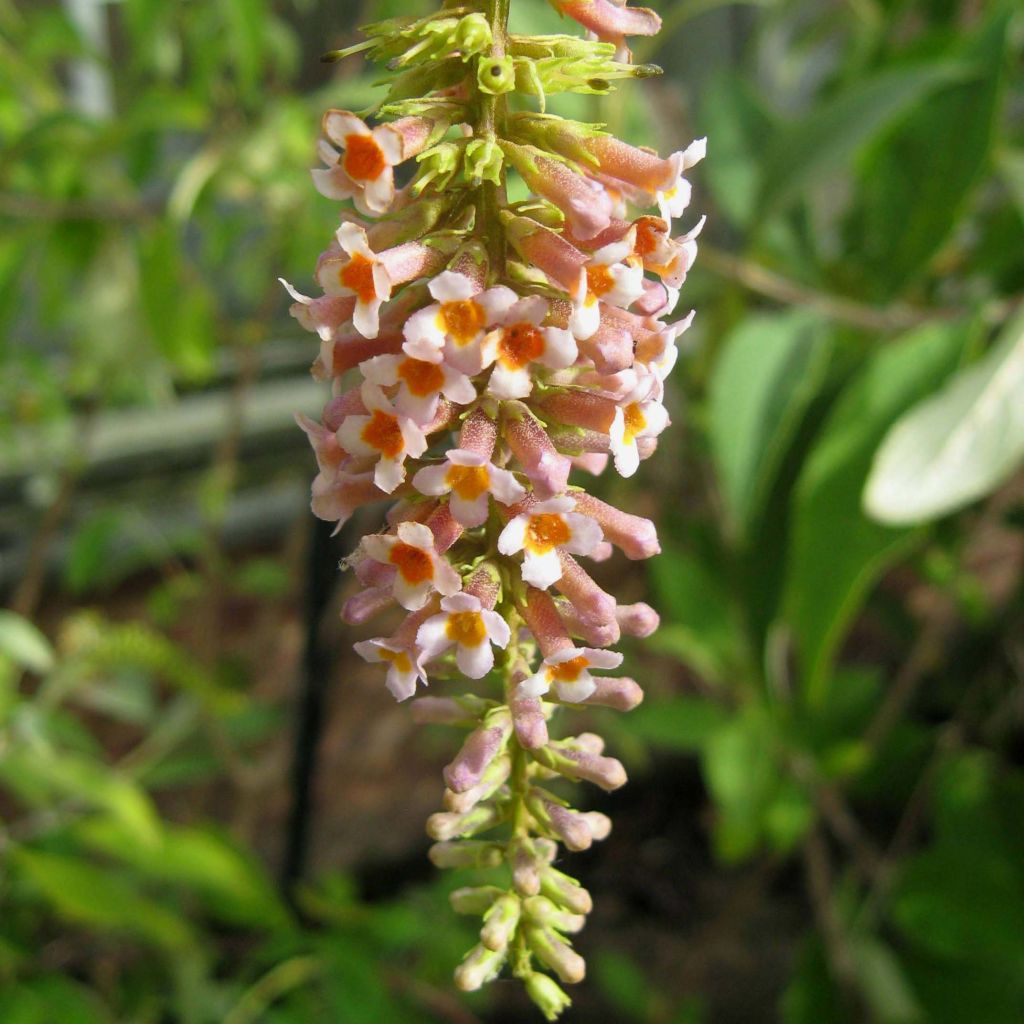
[[479, 352]]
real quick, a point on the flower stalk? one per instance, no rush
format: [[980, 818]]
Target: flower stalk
[[497, 346]]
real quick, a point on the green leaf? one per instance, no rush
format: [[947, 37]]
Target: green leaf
[[957, 445], [50, 998], [770, 369], [742, 128], [837, 553], [741, 773], [1011, 170], [699, 621], [232, 882], [811, 150], [92, 560], [24, 644], [99, 898], [915, 185], [682, 723]]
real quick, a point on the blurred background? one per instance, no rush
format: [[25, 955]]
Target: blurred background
[[212, 812]]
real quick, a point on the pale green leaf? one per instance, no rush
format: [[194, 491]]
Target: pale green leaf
[[23, 643], [957, 445]]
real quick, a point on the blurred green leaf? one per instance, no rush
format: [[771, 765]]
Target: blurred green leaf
[[700, 626], [837, 553], [916, 183], [93, 896], [50, 999], [955, 446], [91, 560], [811, 150], [742, 128], [741, 772], [24, 644], [770, 368], [681, 723]]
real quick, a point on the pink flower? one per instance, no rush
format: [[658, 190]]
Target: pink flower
[[613, 275], [420, 384], [363, 171], [518, 342], [453, 327], [465, 624], [384, 434], [542, 531], [419, 569], [569, 672], [638, 415], [405, 665], [469, 478], [362, 275]]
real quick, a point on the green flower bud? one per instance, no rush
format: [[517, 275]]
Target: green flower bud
[[437, 165], [496, 75], [473, 35], [483, 161], [500, 922], [475, 900], [547, 996], [479, 967]]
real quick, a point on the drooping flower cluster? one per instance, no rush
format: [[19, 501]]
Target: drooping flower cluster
[[480, 349]]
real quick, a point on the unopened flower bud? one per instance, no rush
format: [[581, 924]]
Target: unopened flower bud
[[482, 745], [474, 900], [466, 853], [483, 161], [565, 891], [447, 825], [479, 967], [547, 996], [556, 954], [545, 912], [618, 692], [500, 922], [472, 35]]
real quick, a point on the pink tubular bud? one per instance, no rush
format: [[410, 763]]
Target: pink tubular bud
[[342, 354], [485, 585], [479, 434], [602, 552], [547, 250], [545, 623], [528, 721], [348, 404], [481, 747], [611, 20], [594, 606], [635, 536], [616, 692], [464, 711], [594, 463], [570, 825], [606, 772], [640, 168], [445, 528], [585, 203], [334, 499], [492, 779], [365, 605], [610, 348], [639, 620], [410, 261], [546, 468], [580, 409]]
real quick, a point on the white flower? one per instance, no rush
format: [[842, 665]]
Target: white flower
[[384, 433], [614, 275], [569, 672], [469, 478], [674, 199], [363, 171], [405, 667], [419, 384], [471, 628], [640, 414], [362, 275], [520, 341], [421, 569], [547, 527], [453, 327]]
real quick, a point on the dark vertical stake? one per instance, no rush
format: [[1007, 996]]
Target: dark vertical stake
[[321, 577]]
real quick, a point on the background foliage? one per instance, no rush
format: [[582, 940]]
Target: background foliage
[[841, 507]]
